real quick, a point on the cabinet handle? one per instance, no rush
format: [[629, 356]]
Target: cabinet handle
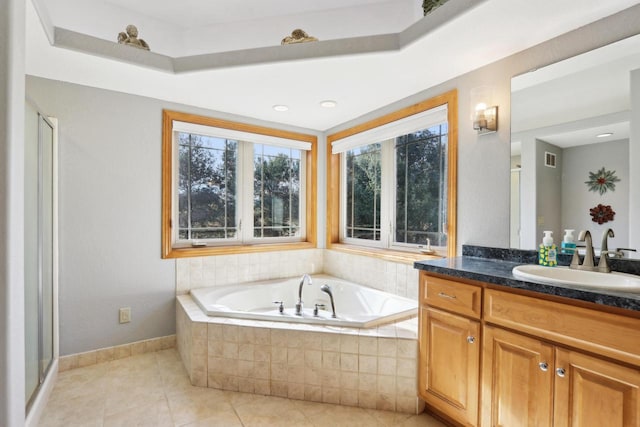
[[544, 367], [471, 340], [560, 372], [443, 295]]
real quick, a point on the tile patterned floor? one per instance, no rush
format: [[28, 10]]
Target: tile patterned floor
[[153, 390]]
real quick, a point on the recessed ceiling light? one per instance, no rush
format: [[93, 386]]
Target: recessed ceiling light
[[281, 108], [604, 135], [328, 103]]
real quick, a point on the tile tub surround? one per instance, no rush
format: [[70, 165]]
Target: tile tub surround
[[388, 276], [369, 368], [221, 270]]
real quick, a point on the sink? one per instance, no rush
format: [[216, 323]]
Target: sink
[[587, 279]]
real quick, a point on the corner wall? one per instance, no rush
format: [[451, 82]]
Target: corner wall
[[109, 214], [12, 95]]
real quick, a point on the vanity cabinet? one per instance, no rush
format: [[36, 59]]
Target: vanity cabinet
[[518, 375], [544, 362], [450, 348]]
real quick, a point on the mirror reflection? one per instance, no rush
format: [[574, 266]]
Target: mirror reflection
[[570, 127]]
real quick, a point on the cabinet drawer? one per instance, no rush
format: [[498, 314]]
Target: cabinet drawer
[[599, 332], [453, 296]]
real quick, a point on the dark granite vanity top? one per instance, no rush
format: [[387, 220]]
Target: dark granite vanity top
[[492, 265]]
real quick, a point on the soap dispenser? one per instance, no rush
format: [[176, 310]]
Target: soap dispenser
[[548, 253], [568, 245]]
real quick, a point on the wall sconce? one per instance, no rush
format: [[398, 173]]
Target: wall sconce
[[484, 114]]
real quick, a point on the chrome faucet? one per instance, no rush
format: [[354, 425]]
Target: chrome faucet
[[327, 289], [307, 278], [603, 263], [587, 263]]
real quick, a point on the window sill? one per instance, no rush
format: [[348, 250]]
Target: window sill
[[189, 252], [384, 254]]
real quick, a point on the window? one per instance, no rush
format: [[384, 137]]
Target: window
[[230, 187], [396, 180]]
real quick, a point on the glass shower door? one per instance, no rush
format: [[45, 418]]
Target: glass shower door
[[38, 250]]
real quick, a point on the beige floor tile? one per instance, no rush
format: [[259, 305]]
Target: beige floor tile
[[271, 411], [75, 412], [387, 418], [226, 419], [153, 390], [198, 404], [422, 420], [342, 416], [154, 414], [128, 397]]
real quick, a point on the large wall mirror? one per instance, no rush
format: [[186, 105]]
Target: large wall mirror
[[570, 120]]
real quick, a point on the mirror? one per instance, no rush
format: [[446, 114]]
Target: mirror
[[570, 120]]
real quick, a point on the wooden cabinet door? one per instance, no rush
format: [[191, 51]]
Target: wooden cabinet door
[[449, 364], [517, 380], [594, 392]]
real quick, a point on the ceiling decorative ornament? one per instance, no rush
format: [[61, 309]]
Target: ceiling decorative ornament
[[430, 5], [130, 38], [298, 36]]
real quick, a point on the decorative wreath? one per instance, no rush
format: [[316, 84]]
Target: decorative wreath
[[602, 214], [602, 180]]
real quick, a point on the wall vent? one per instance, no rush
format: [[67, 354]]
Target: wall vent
[[549, 159]]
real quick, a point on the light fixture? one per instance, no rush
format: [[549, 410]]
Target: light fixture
[[483, 114], [328, 103], [281, 108], [604, 135]]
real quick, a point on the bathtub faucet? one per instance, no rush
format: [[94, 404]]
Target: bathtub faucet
[[327, 289], [299, 303]]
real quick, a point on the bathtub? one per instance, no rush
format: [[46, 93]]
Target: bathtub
[[357, 306]]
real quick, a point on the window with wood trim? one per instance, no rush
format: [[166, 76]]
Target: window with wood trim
[[391, 181], [230, 187]]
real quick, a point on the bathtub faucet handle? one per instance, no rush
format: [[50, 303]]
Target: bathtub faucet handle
[[299, 304], [318, 306], [280, 307]]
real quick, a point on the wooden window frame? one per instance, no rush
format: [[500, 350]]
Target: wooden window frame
[[168, 251], [333, 180]]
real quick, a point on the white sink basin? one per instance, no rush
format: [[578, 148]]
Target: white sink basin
[[588, 279]]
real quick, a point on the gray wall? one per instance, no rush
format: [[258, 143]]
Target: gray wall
[[12, 43], [109, 214], [548, 192], [634, 172], [577, 199]]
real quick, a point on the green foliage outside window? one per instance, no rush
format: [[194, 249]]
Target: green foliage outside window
[[207, 187], [421, 196]]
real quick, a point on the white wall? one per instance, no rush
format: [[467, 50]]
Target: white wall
[[12, 94], [634, 159]]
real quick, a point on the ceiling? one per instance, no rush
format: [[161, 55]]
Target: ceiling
[[360, 82], [570, 102]]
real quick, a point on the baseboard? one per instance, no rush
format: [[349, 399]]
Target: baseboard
[[107, 354]]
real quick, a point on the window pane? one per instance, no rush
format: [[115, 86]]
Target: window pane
[[363, 192], [206, 187], [421, 178], [276, 188]]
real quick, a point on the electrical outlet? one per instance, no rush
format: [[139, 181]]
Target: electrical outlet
[[125, 315]]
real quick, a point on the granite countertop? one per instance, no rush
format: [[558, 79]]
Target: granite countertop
[[497, 271]]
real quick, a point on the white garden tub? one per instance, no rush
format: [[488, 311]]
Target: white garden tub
[[356, 305]]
